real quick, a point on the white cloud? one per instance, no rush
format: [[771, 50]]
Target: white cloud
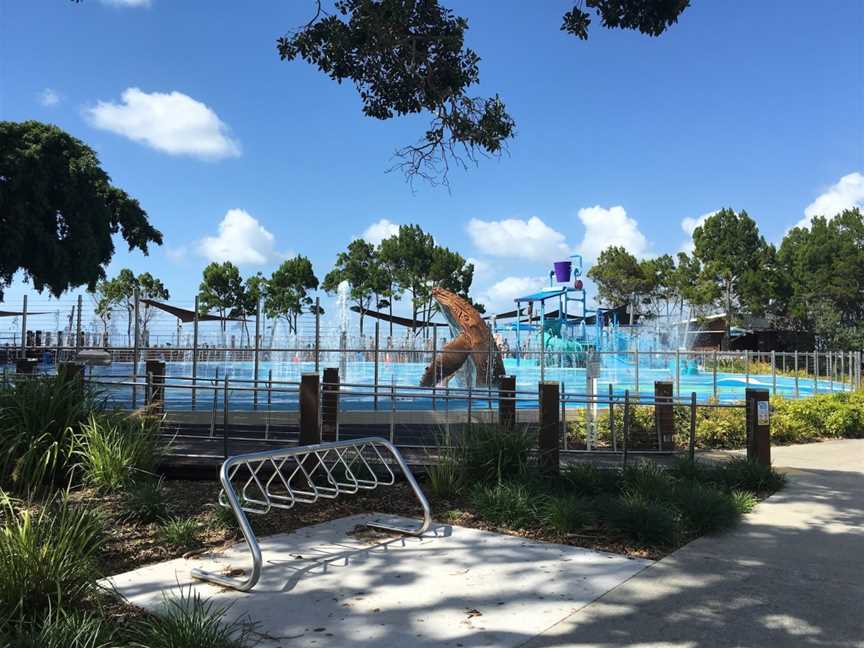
[[49, 97], [483, 270], [514, 237], [380, 230], [846, 194], [173, 123], [605, 227], [500, 295], [126, 3], [241, 240], [689, 225]]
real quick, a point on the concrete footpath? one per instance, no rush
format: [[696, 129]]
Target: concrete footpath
[[792, 574]]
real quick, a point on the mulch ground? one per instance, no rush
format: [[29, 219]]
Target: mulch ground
[[132, 544]]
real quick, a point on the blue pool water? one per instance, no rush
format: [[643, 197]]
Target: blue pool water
[[405, 375]]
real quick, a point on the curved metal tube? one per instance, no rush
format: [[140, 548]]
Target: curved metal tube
[[255, 460]]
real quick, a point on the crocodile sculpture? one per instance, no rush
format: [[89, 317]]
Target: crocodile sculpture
[[472, 345]]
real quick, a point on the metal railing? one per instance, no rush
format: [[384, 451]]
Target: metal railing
[[304, 475]]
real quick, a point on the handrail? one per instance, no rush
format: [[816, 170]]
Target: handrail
[[264, 496]]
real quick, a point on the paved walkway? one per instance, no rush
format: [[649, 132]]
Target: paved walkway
[[792, 574]]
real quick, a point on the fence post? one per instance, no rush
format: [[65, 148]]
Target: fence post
[[664, 414], [677, 372], [195, 353], [815, 372], [693, 426], [796, 372], [24, 328], [310, 431], [625, 426], [507, 401], [255, 361], [134, 346], [155, 398], [714, 372], [773, 373], [550, 424], [317, 334], [758, 426], [375, 367], [78, 325], [330, 404], [225, 416], [434, 366], [637, 367], [611, 418]]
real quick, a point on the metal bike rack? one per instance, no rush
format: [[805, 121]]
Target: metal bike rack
[[305, 474]]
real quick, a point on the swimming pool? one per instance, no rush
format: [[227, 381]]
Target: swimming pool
[[615, 379]]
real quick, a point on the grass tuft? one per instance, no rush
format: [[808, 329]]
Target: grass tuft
[[705, 509], [744, 474], [144, 501], [589, 480], [566, 514], [505, 504], [640, 520], [180, 531], [188, 621], [115, 451], [59, 629], [47, 557]]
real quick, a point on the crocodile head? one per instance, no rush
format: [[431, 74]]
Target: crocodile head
[[461, 315]]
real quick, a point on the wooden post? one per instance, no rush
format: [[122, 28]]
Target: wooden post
[[664, 414], [67, 371], [758, 426], [330, 405], [507, 401], [549, 397], [310, 431], [155, 385]]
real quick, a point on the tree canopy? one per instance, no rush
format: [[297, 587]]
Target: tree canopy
[[360, 266], [120, 291], [286, 292], [221, 290], [418, 263], [59, 210], [409, 57], [735, 260]]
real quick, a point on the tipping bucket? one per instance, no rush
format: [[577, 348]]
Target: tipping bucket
[[562, 271]]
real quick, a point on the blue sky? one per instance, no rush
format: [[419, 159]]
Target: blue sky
[[621, 139]]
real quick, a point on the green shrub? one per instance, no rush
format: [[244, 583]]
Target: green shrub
[[720, 427], [38, 420], [187, 621], [59, 629], [705, 509], [505, 504], [494, 453], [684, 469], [180, 531], [47, 558], [589, 480], [566, 514], [113, 451], [445, 475], [144, 501], [647, 480], [742, 474], [640, 520], [745, 501]]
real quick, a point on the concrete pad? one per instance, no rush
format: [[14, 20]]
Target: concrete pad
[[790, 575], [324, 586]]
